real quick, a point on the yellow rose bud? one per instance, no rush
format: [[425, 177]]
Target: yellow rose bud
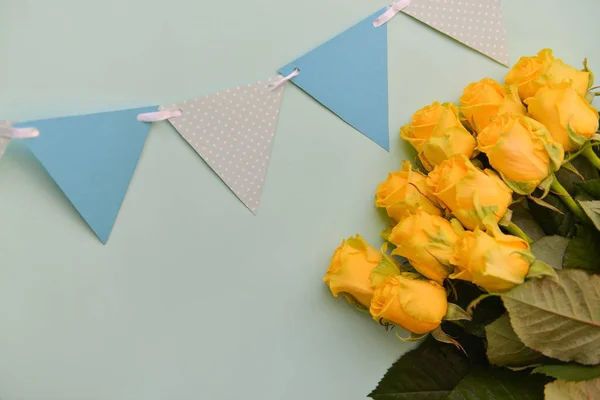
[[438, 139], [427, 241], [533, 73], [568, 116], [350, 268], [423, 124], [521, 150], [495, 262], [483, 101], [468, 192], [415, 305], [403, 192]]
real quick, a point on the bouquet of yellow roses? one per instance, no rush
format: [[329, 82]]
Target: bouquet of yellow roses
[[493, 245]]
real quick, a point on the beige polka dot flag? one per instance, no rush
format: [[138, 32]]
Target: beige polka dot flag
[[233, 131], [476, 23]]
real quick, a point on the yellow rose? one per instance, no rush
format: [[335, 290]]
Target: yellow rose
[[350, 268], [427, 241], [423, 123], [534, 73], [521, 150], [483, 101], [403, 192], [495, 262], [570, 119], [437, 134], [468, 192], [415, 305]]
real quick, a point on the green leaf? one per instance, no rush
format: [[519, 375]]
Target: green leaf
[[552, 222], [592, 209], [569, 372], [591, 187], [583, 251], [560, 320], [523, 219], [495, 383], [563, 390], [429, 372], [505, 349], [551, 250]]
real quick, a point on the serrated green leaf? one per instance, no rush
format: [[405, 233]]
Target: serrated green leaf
[[592, 209], [551, 250], [552, 222], [583, 251], [591, 187], [560, 320], [495, 383], [429, 372], [563, 390], [569, 372], [505, 349]]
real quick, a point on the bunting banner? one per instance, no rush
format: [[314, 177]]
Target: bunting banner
[[92, 157], [349, 75], [233, 131], [475, 23]]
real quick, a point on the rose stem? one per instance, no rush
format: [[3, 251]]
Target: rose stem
[[590, 155], [568, 200], [516, 231]]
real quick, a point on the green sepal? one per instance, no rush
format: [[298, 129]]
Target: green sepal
[[455, 313], [441, 336], [385, 234], [386, 268], [575, 139], [352, 300], [523, 188], [587, 69], [414, 337], [539, 269], [546, 184], [478, 300]]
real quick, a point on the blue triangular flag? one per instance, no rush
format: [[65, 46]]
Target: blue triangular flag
[[92, 159], [349, 75]]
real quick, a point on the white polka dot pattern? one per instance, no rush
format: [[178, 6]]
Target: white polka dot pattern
[[233, 131], [4, 141], [476, 23]]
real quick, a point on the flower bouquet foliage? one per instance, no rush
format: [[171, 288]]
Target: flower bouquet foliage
[[492, 253]]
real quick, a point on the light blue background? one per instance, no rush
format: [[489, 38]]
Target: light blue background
[[194, 297]]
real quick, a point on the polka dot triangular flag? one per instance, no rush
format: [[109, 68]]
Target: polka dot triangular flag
[[233, 131], [476, 23]]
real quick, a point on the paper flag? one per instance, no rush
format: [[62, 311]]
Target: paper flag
[[349, 75], [92, 159], [476, 23], [233, 131]]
